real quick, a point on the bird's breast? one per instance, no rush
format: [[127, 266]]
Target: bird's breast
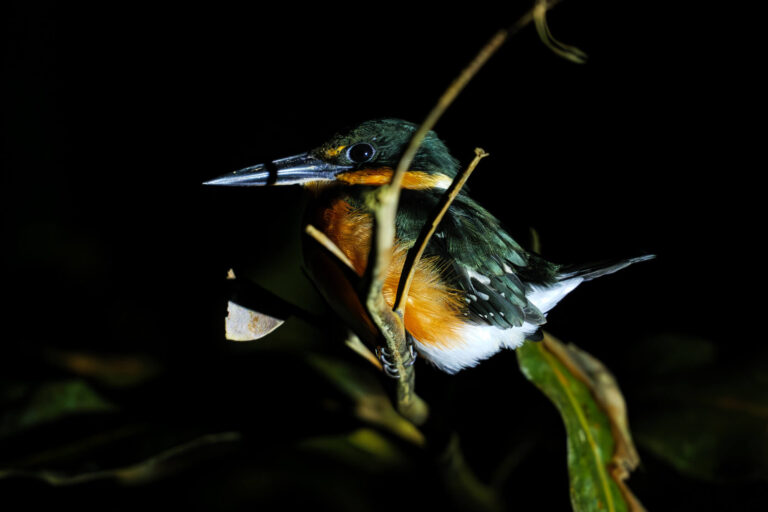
[[434, 312]]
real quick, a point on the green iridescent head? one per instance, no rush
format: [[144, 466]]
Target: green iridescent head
[[380, 143]]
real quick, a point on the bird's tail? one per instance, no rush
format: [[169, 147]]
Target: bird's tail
[[594, 270]]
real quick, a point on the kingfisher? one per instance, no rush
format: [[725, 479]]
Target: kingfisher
[[474, 292]]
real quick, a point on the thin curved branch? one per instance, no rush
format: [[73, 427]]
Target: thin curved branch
[[383, 203], [565, 51], [326, 242], [415, 252]]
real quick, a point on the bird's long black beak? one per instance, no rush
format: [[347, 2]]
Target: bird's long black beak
[[292, 170]]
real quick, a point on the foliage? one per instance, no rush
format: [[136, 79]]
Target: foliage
[[597, 449], [334, 426]]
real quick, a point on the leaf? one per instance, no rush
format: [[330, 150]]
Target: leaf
[[363, 448], [600, 451], [243, 324], [606, 392], [371, 401], [167, 462], [704, 414], [462, 485], [49, 401], [112, 370]]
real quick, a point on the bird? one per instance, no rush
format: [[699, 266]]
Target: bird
[[475, 291]]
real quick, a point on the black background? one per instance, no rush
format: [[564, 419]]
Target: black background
[[114, 115]]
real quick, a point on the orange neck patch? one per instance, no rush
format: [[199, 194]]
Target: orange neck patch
[[413, 180]]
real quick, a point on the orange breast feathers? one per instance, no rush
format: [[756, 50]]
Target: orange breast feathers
[[434, 311]]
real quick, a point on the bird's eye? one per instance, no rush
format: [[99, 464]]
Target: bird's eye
[[361, 152]]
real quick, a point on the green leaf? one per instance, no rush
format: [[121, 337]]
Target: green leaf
[[365, 448], [371, 401], [593, 435], [705, 414], [37, 404], [462, 485], [168, 462]]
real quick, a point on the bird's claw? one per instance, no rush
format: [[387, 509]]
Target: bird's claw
[[390, 368]]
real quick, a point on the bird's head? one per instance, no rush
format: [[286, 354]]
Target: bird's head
[[365, 155]]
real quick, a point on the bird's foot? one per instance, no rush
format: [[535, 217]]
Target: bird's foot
[[387, 363]]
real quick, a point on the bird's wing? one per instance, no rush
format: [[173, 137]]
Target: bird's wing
[[495, 272], [499, 300]]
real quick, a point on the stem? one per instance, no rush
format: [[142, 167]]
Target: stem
[[415, 252], [326, 242], [383, 203]]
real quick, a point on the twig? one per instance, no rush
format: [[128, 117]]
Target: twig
[[352, 341], [415, 252], [383, 203], [326, 242], [565, 51], [356, 345], [445, 101]]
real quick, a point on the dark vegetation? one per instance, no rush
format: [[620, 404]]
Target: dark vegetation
[[114, 256]]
